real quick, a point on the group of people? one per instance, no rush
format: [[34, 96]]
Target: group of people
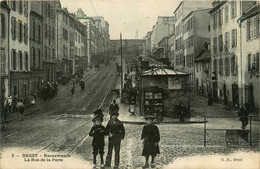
[[14, 105], [116, 133]]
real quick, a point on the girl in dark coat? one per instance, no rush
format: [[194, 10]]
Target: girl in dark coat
[[150, 137]]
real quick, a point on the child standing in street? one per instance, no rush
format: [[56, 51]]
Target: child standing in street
[[150, 137], [98, 131]]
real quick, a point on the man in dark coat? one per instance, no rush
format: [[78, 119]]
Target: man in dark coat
[[150, 137], [116, 132], [98, 131], [113, 107]]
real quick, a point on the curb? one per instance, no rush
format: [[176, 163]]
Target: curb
[[141, 123]]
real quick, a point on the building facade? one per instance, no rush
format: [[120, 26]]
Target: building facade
[[203, 70], [65, 47], [49, 40], [250, 32], [196, 32], [4, 52], [19, 65], [163, 27], [226, 51], [36, 45]]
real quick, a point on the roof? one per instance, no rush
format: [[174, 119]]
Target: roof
[[203, 56], [217, 7], [250, 13], [162, 71], [195, 11], [178, 6]]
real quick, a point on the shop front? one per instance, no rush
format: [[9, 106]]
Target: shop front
[[163, 91]]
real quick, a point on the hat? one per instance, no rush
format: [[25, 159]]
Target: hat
[[149, 117], [97, 118], [114, 113]]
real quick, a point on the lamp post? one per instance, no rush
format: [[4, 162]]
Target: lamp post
[[121, 65]]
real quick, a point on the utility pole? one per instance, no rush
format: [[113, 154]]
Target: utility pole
[[121, 64]]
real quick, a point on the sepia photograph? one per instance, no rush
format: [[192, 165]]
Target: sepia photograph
[[129, 84]]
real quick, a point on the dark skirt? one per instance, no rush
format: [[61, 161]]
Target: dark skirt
[[150, 149]]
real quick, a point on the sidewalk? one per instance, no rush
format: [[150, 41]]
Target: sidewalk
[[41, 103]]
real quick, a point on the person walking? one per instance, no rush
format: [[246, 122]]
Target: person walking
[[150, 138], [243, 115], [116, 133], [72, 90], [20, 108], [113, 107], [98, 132]]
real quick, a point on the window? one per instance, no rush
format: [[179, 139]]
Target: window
[[220, 39], [257, 62], [26, 61], [249, 62], [39, 33], [220, 66], [220, 17], [53, 54], [53, 33], [13, 59], [21, 60], [13, 5], [215, 66], [234, 38], [233, 65], [45, 52], [33, 57], [233, 9], [46, 31], [33, 30], [226, 41], [226, 14], [20, 34], [13, 28], [20, 6], [39, 58], [25, 8], [215, 20], [215, 45], [3, 24], [25, 33], [3, 61], [227, 68], [49, 10]]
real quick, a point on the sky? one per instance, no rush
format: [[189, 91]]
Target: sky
[[125, 16]]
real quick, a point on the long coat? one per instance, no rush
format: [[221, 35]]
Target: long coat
[[151, 137], [98, 133], [117, 129]]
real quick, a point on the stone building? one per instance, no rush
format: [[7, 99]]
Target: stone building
[[80, 61], [19, 66], [203, 70], [196, 32], [66, 41], [185, 7], [250, 32], [226, 54], [163, 27], [49, 40], [36, 45], [4, 52]]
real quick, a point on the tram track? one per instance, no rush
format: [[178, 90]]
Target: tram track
[[74, 146], [49, 106]]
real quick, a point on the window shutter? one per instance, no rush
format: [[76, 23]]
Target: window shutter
[[249, 62]]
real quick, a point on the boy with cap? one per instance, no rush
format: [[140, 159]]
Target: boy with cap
[[150, 137], [116, 132], [98, 131]]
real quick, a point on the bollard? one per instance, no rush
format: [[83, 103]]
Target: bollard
[[205, 131]]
